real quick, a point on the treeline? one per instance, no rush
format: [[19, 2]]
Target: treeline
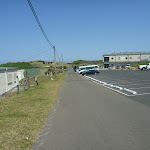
[[78, 62]]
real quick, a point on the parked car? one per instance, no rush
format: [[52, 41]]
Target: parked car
[[81, 71], [148, 66], [90, 72], [144, 67], [127, 66]]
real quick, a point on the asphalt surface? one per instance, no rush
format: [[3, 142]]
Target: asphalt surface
[[88, 116], [136, 80]]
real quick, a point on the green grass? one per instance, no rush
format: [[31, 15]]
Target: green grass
[[20, 65], [23, 116]]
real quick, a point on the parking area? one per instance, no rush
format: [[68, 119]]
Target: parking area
[[132, 83]]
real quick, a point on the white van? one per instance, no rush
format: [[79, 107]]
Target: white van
[[84, 68]]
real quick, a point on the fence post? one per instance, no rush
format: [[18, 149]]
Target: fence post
[[28, 82], [25, 84], [17, 82], [18, 88], [6, 84], [47, 75], [40, 77], [34, 80]]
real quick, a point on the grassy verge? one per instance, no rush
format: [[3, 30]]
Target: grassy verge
[[23, 116]]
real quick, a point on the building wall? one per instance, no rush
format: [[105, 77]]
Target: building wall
[[128, 58], [7, 80], [115, 60], [21, 74], [2, 82], [11, 79]]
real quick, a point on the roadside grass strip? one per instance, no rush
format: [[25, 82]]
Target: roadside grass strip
[[23, 116], [118, 89]]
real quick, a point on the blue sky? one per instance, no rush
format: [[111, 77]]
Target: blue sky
[[80, 29]]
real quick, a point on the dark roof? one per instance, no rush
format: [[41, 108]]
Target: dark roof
[[128, 53]]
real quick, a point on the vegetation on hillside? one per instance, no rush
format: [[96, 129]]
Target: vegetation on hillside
[[34, 64], [79, 62], [20, 65]]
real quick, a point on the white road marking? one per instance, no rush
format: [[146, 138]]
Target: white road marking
[[141, 88], [144, 94], [112, 89], [130, 91], [134, 84], [130, 82], [105, 85]]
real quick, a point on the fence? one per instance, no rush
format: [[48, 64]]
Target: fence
[[31, 72], [8, 77], [28, 82]]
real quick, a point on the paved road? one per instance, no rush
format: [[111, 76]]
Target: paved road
[[136, 80], [90, 117]]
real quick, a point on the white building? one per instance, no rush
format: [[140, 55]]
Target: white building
[[7, 78], [116, 60]]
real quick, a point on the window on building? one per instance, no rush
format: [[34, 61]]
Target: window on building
[[130, 57], [106, 59], [112, 58], [126, 57], [149, 57], [139, 57], [118, 58]]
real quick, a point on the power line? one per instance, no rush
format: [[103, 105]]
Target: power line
[[36, 55], [37, 20], [58, 55], [41, 28]]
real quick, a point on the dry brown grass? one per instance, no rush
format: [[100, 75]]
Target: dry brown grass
[[23, 116]]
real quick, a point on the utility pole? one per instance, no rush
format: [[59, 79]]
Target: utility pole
[[62, 61], [55, 60]]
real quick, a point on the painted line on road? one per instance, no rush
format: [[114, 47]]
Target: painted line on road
[[135, 84], [120, 80], [140, 88], [131, 91], [143, 94], [110, 86], [112, 89], [136, 81]]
